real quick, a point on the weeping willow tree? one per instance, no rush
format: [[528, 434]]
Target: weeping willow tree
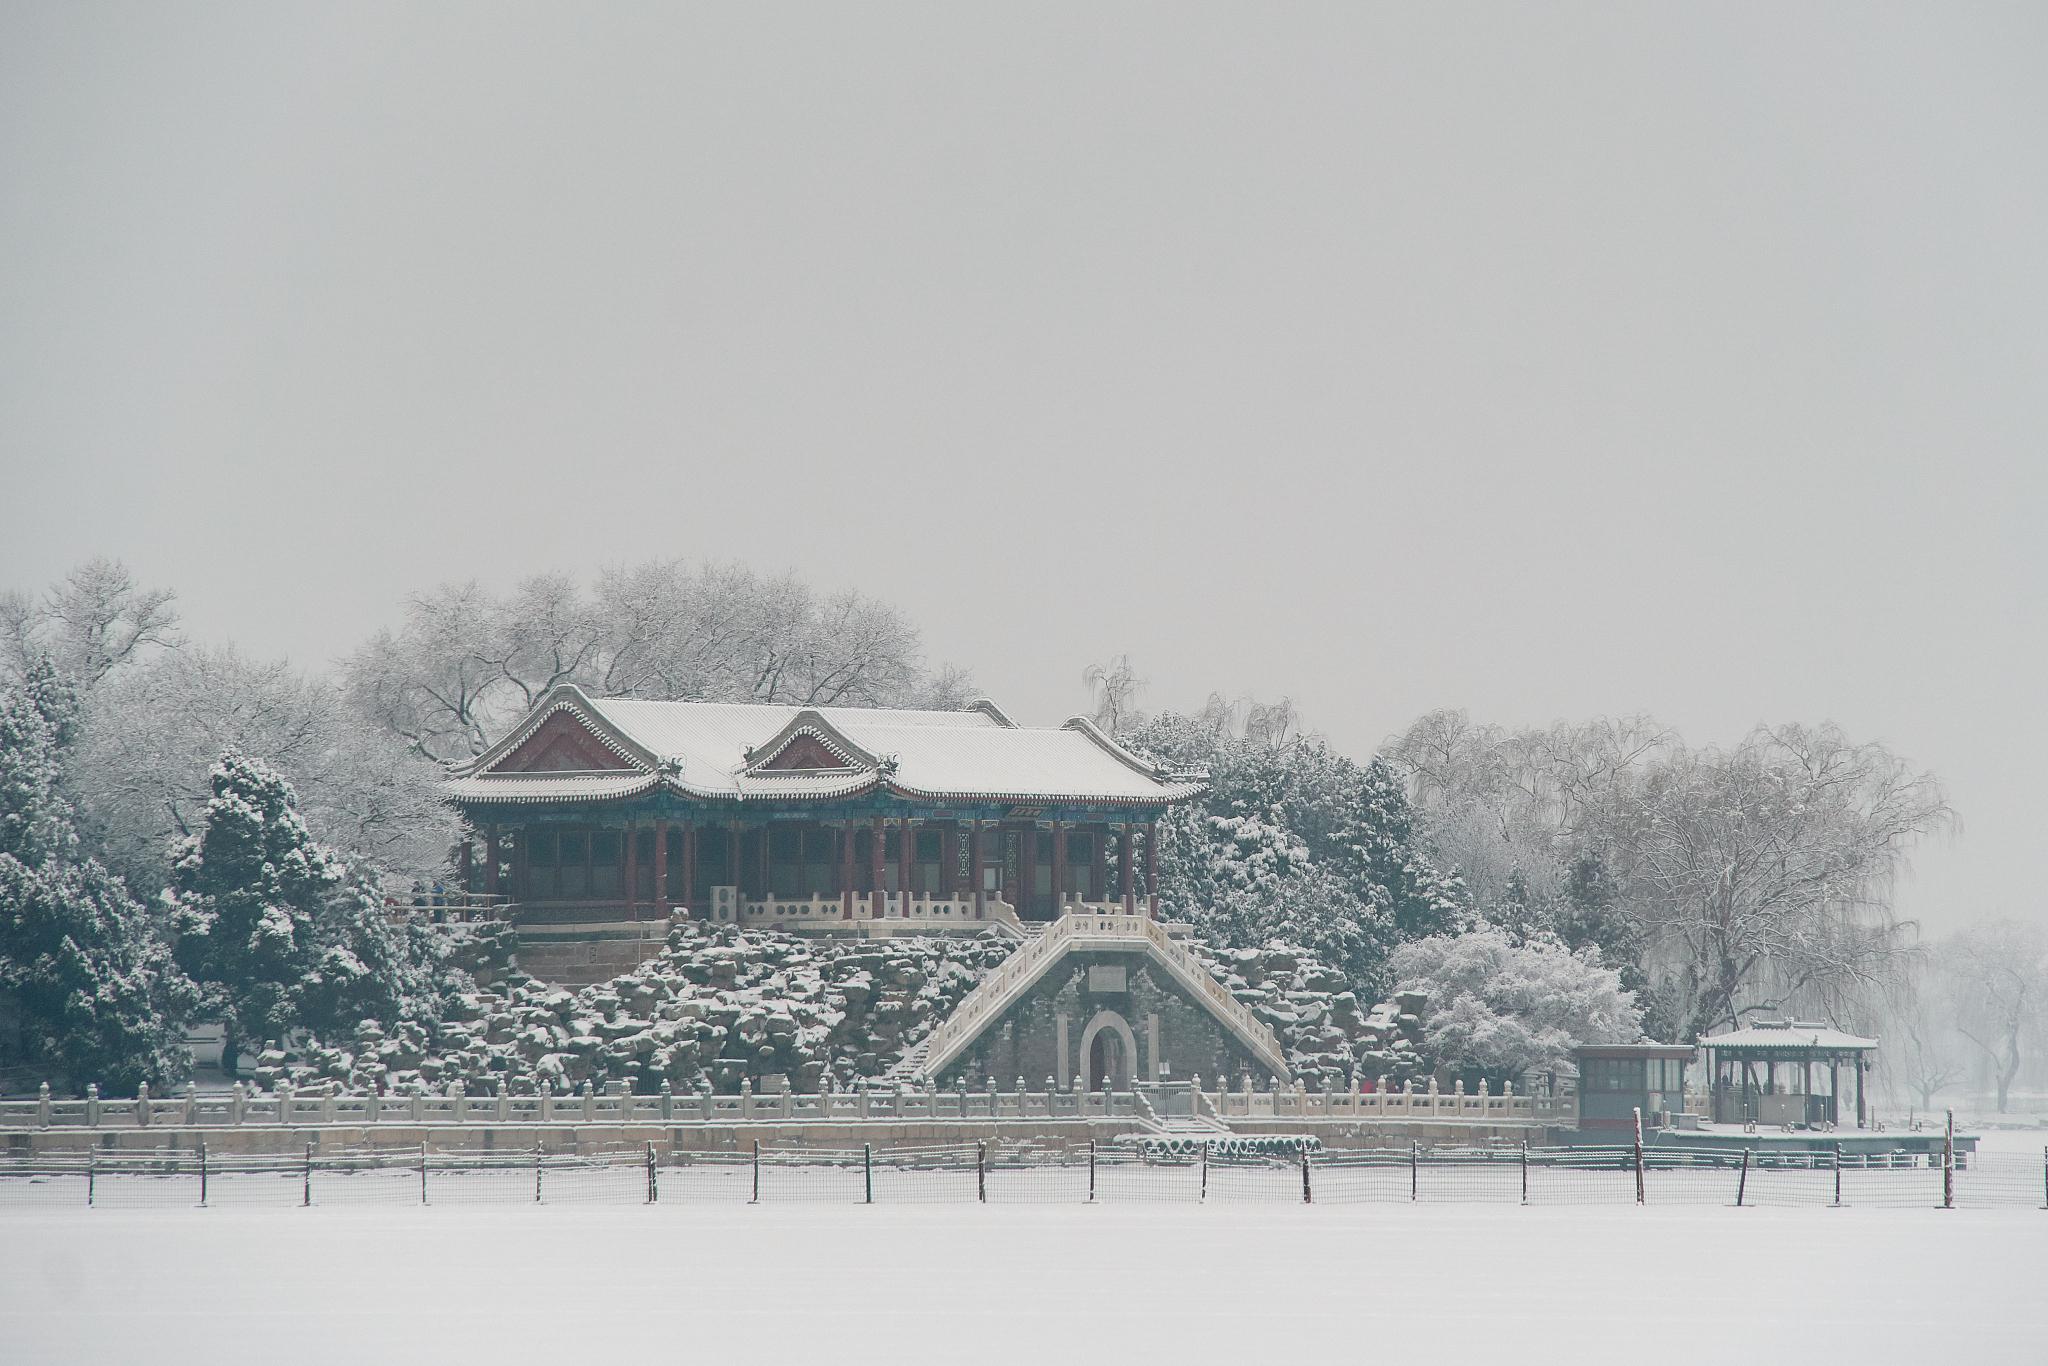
[[1756, 877]]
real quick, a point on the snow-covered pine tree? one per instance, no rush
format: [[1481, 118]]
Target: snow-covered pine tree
[[274, 927], [1296, 842], [91, 989]]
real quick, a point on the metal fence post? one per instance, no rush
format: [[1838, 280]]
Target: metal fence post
[[537, 1165], [1838, 1172], [202, 1173], [88, 1176], [1091, 1171], [1742, 1181], [423, 1172], [1205, 1171], [1307, 1194], [1525, 1171], [1414, 1165], [1639, 1154], [653, 1182], [1948, 1162], [306, 1193], [867, 1170], [981, 1172], [757, 1171]]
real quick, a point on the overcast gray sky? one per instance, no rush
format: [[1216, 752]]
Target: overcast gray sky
[[1541, 360]]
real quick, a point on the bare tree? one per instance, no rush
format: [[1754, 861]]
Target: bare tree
[[1509, 809], [1272, 724], [1921, 1043], [1116, 686], [467, 664], [1998, 993], [89, 623], [1757, 876], [1764, 872], [152, 735], [437, 682]]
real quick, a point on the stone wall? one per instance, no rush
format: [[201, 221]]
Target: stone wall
[[1048, 1032]]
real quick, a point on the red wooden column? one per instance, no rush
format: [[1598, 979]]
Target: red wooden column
[[689, 890], [906, 856], [1059, 867], [767, 844], [1152, 867], [1098, 871], [949, 861], [661, 867], [1126, 860], [732, 860], [491, 858], [974, 855], [468, 864], [878, 884], [629, 870], [846, 869]]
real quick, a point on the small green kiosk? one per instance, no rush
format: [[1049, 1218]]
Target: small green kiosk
[[1617, 1079]]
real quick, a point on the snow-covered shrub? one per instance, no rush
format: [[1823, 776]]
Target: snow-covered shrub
[[1504, 1009], [716, 1006]]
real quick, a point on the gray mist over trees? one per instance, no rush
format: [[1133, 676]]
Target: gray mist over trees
[[1584, 881]]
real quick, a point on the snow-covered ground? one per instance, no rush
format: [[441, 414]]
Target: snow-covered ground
[[288, 1287]]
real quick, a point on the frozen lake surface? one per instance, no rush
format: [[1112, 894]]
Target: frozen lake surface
[[1021, 1284]]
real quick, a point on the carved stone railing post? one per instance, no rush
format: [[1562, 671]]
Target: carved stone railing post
[[142, 1105], [43, 1106], [236, 1099]]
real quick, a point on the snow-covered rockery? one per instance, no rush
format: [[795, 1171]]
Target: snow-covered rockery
[[1330, 1040], [720, 1005], [715, 1007]]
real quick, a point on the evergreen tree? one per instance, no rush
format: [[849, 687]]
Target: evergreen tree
[[274, 927], [1297, 842], [92, 989]]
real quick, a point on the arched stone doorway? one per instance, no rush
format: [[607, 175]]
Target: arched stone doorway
[[1109, 1053]]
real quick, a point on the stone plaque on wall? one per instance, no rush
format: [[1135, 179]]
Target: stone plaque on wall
[[1107, 979]]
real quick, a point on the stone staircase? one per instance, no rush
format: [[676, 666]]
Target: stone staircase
[[910, 1066], [1186, 1126], [1046, 943]]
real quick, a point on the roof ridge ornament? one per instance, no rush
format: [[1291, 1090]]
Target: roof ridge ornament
[[987, 707]]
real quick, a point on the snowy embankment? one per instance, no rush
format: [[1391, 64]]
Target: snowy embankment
[[1031, 1285]]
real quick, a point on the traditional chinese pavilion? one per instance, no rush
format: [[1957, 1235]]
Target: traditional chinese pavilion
[[1787, 1072], [598, 814]]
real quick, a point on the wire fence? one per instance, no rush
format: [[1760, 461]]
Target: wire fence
[[963, 1173]]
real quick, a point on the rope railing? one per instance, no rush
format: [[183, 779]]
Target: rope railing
[[1291, 1173]]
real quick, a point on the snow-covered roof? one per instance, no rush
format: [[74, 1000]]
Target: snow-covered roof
[[730, 750], [1799, 1034]]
